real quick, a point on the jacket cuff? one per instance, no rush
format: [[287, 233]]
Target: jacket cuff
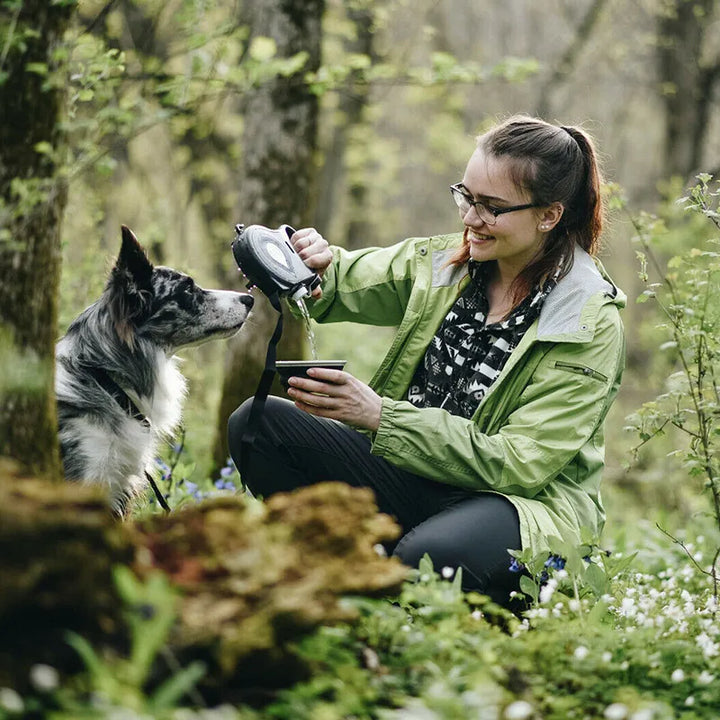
[[381, 440]]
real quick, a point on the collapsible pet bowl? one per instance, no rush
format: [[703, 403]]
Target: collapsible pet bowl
[[298, 368]]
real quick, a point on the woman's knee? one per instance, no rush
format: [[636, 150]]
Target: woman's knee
[[473, 535]]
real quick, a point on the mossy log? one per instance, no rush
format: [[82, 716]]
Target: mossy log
[[58, 545], [256, 577], [253, 578]]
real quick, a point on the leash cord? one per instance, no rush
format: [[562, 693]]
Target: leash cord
[[160, 497], [258, 405]]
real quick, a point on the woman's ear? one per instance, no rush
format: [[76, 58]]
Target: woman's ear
[[550, 217]]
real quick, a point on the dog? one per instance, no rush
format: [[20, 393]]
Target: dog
[[118, 388]]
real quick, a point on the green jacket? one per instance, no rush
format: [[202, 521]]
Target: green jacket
[[537, 436]]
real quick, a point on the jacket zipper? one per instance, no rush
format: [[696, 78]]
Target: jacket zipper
[[580, 370]]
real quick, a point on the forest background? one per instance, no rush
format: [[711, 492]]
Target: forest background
[[182, 118], [166, 132]]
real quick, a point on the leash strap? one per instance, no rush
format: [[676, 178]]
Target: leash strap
[[263, 389], [160, 497]]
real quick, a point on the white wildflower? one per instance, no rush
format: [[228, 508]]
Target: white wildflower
[[447, 572], [643, 714], [706, 644], [44, 677], [476, 615], [379, 548], [574, 604], [547, 590], [606, 656], [627, 607], [689, 701], [705, 678], [616, 711], [581, 652], [518, 710], [677, 675], [10, 700]]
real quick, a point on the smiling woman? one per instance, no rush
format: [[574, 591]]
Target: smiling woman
[[482, 430]]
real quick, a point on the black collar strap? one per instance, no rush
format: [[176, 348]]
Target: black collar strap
[[103, 379]]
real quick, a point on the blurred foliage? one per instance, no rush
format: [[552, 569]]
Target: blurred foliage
[[647, 648], [688, 294]]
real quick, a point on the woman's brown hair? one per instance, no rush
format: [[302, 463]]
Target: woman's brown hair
[[550, 163]]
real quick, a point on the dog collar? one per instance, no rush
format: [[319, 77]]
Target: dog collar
[[102, 377]]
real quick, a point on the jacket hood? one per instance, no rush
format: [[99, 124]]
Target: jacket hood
[[569, 311]]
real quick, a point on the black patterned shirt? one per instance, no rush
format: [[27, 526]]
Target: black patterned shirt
[[465, 356]]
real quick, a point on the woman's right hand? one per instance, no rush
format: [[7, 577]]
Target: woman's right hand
[[314, 251]]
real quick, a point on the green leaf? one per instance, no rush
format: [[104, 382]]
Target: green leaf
[[262, 49], [172, 690], [37, 68], [596, 579], [529, 587], [43, 148]]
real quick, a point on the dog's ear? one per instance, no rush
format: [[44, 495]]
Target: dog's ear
[[130, 287]]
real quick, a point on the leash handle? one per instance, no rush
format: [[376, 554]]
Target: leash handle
[[263, 389]]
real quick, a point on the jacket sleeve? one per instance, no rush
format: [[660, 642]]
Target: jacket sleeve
[[556, 413], [371, 285]]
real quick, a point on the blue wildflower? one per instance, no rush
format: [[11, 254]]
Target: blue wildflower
[[555, 562], [164, 467], [227, 471], [221, 484], [516, 565]]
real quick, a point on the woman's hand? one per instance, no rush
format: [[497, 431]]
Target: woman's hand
[[314, 251], [338, 395]]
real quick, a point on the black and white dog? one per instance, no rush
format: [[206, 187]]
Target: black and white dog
[[118, 387]]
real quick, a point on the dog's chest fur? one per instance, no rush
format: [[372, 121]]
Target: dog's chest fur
[[112, 447]]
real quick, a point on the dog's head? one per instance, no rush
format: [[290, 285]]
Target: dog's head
[[166, 306]]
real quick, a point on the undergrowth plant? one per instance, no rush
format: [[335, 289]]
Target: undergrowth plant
[[687, 292]]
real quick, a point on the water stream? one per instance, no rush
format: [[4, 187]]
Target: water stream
[[308, 328]]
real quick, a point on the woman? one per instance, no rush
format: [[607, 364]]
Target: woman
[[482, 429]]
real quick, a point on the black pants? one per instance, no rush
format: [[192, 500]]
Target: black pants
[[457, 528]]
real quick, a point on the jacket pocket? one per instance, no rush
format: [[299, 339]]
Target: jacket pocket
[[580, 370]]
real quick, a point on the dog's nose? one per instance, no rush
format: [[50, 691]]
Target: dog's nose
[[248, 300]]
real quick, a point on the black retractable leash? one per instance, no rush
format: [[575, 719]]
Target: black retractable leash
[[261, 393], [269, 261]]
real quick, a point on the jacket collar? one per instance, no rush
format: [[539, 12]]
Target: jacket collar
[[568, 312]]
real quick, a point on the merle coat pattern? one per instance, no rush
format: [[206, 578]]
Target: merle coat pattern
[[118, 387]]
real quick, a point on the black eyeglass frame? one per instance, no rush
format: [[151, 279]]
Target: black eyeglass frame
[[459, 189]]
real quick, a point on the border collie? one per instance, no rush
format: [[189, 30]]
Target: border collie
[[117, 383]]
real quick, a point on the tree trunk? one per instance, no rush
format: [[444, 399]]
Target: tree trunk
[[687, 80], [32, 201], [354, 98], [275, 180]]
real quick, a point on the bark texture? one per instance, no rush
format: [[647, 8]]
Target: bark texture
[[689, 71], [275, 180], [32, 201]]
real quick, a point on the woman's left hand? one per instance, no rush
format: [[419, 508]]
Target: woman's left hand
[[338, 395]]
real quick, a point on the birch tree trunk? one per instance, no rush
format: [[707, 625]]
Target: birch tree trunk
[[275, 180], [32, 201]]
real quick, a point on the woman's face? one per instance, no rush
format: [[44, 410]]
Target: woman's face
[[516, 237]]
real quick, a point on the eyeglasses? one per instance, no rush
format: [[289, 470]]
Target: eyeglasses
[[487, 213]]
